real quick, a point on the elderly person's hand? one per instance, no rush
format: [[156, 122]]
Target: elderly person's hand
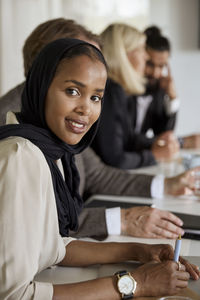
[[148, 222]]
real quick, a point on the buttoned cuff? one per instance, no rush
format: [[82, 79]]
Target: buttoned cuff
[[113, 220], [157, 187]]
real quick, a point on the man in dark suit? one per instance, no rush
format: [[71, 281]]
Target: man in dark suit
[[162, 111]]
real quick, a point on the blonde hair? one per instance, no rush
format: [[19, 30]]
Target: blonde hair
[[118, 40]]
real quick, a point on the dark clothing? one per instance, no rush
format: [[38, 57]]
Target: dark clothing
[[115, 138], [116, 141], [155, 119], [11, 101]]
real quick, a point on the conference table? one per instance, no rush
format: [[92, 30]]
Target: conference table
[[190, 248]]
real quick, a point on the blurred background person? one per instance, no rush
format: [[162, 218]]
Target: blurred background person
[[157, 71], [121, 141], [160, 82]]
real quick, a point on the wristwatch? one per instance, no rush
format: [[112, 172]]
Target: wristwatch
[[126, 284]]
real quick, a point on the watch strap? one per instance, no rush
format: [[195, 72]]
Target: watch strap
[[121, 273], [130, 296]]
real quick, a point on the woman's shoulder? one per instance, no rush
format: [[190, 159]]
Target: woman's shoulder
[[15, 143], [21, 149]]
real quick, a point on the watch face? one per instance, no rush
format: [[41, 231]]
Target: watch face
[[126, 285]]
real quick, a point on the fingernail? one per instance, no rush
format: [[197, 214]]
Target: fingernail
[[180, 222]]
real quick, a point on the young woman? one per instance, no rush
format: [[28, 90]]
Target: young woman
[[121, 140], [39, 201]]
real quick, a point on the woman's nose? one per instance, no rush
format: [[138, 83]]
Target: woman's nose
[[84, 107]]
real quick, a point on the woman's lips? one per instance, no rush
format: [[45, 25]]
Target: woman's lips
[[76, 126]]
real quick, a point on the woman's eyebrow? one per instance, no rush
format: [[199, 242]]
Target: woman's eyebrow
[[76, 82], [100, 90], [83, 85]]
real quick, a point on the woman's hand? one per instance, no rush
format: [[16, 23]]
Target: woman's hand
[[165, 147], [192, 269], [157, 253], [157, 279], [165, 252]]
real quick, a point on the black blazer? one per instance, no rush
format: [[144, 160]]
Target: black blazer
[[155, 119], [116, 141]]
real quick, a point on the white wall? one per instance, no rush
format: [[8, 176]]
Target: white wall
[[19, 17], [187, 77], [17, 20], [179, 20]]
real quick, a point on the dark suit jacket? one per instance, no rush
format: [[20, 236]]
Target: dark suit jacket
[[116, 141], [95, 178], [155, 119], [11, 101]]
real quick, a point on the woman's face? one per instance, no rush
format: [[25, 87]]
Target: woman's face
[[73, 101], [137, 58]]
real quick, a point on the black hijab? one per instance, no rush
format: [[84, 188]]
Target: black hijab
[[34, 128]]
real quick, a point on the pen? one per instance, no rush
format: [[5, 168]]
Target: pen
[[177, 249]]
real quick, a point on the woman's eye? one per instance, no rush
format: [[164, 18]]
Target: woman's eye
[[96, 98], [72, 92]]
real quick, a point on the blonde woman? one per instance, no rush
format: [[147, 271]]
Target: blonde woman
[[121, 140]]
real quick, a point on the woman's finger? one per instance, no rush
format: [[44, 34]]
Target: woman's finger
[[192, 269]]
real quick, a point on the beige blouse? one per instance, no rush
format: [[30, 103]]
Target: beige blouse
[[29, 233]]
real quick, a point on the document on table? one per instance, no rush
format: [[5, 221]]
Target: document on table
[[191, 225]]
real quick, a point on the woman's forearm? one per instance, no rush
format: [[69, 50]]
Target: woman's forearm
[[98, 289], [153, 279], [80, 253]]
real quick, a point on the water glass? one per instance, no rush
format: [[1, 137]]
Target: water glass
[[197, 183]]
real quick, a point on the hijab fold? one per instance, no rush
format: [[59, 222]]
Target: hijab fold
[[32, 126]]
